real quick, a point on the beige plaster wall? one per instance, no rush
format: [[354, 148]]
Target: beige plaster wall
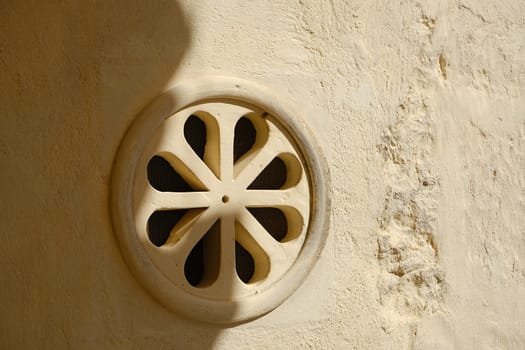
[[420, 110]]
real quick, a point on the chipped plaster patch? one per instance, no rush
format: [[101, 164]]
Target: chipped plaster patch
[[412, 282]]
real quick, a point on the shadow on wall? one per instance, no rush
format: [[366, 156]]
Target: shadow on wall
[[73, 75]]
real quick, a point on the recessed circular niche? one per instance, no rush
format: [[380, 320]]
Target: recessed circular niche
[[220, 200]]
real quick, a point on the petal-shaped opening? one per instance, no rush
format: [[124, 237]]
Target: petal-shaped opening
[[201, 131], [282, 172], [195, 134], [245, 135], [252, 263], [283, 223], [244, 263], [163, 177], [251, 134], [273, 220], [202, 264], [161, 223]]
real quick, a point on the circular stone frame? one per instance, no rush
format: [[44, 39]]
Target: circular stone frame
[[177, 98]]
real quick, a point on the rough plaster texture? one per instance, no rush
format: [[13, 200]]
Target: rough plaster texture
[[419, 107]]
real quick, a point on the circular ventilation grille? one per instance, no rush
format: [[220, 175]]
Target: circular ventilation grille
[[219, 200]]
